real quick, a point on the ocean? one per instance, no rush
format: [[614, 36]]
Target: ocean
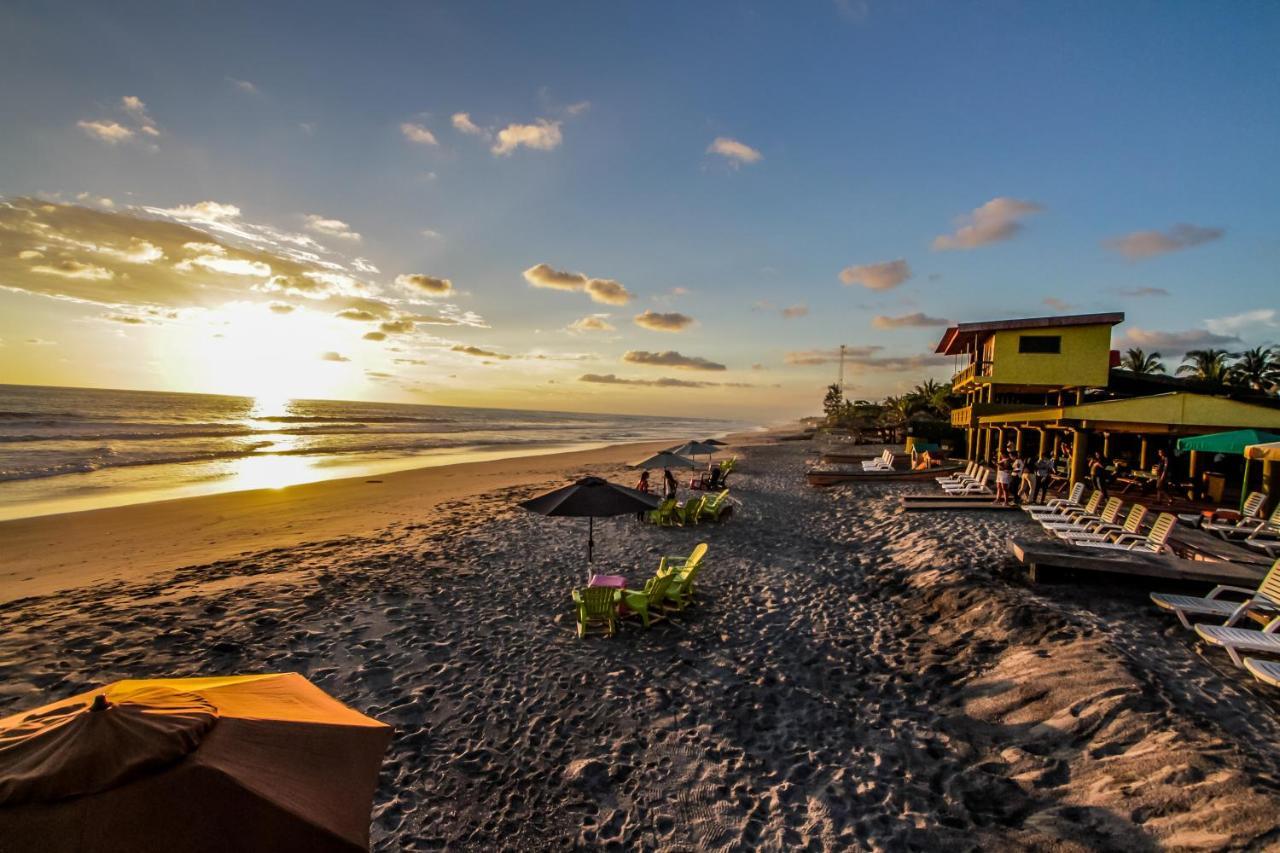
[[66, 449]]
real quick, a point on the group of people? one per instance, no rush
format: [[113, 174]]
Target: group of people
[[668, 484], [1027, 479]]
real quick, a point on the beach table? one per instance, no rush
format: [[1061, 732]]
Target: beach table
[[614, 582]]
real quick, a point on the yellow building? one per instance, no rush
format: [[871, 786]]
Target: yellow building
[[1039, 383]]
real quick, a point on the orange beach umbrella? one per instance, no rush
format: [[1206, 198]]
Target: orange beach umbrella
[[235, 763]]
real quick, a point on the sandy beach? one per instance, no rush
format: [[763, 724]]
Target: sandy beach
[[852, 677]]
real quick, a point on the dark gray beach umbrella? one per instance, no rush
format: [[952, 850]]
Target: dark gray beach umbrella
[[693, 448], [717, 442], [594, 498], [665, 459]]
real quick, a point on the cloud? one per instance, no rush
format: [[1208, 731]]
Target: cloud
[[603, 290], [127, 319], [375, 336], [480, 353], [1146, 244], [418, 134], [670, 358], [861, 359], [1057, 304], [734, 151], [462, 122], [578, 108], [331, 227], [358, 315], [134, 106], [916, 320], [40, 342], [591, 323], [543, 136], [203, 211], [997, 220], [364, 265], [281, 308], [421, 283], [75, 269], [397, 327], [1174, 343], [333, 356], [663, 382], [882, 276], [243, 85], [110, 132], [672, 322], [230, 266], [791, 312], [432, 234], [417, 361], [1138, 292], [138, 252], [1236, 323]]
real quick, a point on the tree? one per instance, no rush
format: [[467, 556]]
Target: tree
[[1139, 362], [1257, 368], [1207, 365], [833, 402]]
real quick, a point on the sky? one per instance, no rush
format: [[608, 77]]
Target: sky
[[621, 207]]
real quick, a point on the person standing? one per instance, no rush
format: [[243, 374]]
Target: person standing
[[1003, 475], [1098, 473], [1016, 468], [643, 485], [1044, 472], [668, 484], [1161, 472]]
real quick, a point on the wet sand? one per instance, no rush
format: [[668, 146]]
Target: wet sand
[[852, 677]]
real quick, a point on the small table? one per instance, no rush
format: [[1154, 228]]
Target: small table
[[614, 581]]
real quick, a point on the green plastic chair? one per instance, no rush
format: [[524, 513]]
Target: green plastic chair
[[680, 565], [692, 510], [715, 508], [662, 515], [683, 571], [597, 605], [647, 603]]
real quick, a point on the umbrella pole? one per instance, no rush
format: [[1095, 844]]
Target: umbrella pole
[[1244, 485], [591, 533]]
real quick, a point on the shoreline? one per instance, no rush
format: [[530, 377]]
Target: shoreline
[[39, 556]]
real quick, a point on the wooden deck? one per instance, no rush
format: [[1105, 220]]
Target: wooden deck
[[1191, 538], [1039, 554], [913, 503]]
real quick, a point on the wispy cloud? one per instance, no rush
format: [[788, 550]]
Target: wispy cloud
[[737, 153], [1147, 244], [865, 359], [75, 269], [998, 220], [1057, 304], [661, 382], [670, 322], [331, 227], [113, 132], [1174, 342], [603, 290], [544, 135], [1235, 324], [916, 320], [462, 122], [480, 353], [333, 356], [791, 312], [592, 323], [671, 358], [244, 86], [110, 132], [418, 134], [1139, 292], [420, 283], [881, 276]]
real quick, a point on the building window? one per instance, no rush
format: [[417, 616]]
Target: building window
[[1040, 343]]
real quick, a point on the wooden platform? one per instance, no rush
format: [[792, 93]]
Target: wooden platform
[[1038, 554], [897, 475], [915, 503], [1184, 537]]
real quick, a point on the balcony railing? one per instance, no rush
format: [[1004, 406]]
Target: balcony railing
[[961, 417], [976, 368]]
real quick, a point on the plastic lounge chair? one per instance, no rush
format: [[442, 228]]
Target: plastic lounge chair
[[1071, 515], [1054, 506], [1132, 527], [664, 514], [1250, 517], [1266, 671], [1235, 640], [978, 488], [1265, 597], [597, 605], [647, 603], [716, 508], [884, 463], [1155, 542], [962, 476], [964, 480], [1087, 522], [689, 513], [1270, 526]]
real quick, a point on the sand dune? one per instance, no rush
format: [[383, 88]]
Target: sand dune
[[853, 677]]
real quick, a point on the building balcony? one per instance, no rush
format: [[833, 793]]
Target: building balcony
[[969, 374], [967, 417]]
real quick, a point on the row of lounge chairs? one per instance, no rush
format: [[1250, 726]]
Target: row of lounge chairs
[[671, 589], [975, 479], [700, 510], [883, 462], [1220, 604], [1095, 525]]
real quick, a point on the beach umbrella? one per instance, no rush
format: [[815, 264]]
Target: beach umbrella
[[693, 448], [715, 441], [205, 765], [592, 497], [665, 459]]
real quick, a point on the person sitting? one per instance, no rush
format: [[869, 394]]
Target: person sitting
[[715, 476]]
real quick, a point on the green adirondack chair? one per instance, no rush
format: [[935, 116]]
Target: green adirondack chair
[[692, 510], [597, 605], [716, 508], [680, 565], [647, 603], [683, 571], [664, 513]]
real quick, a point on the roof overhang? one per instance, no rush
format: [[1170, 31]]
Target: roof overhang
[[964, 336], [1176, 412]]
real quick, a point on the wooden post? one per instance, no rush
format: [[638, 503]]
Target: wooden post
[[1192, 464], [1079, 396], [1079, 447], [1044, 443], [1142, 455], [1271, 482]]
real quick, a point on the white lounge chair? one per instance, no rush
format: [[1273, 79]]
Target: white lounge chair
[[1266, 598], [966, 474], [1267, 671], [1131, 528], [1088, 522], [1054, 506], [1156, 541], [1072, 514], [1250, 515], [1235, 640], [884, 463], [1251, 528], [976, 488]]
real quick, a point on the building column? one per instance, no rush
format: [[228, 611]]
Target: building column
[[1142, 455], [1106, 445], [1192, 465], [1079, 447], [1044, 443], [999, 444], [1017, 441]]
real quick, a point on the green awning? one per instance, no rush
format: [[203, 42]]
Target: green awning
[[1227, 442]]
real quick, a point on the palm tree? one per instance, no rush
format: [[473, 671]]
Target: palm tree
[[1139, 362], [1257, 368], [933, 396], [1207, 365]]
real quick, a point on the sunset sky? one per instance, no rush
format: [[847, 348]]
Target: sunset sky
[[632, 207]]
